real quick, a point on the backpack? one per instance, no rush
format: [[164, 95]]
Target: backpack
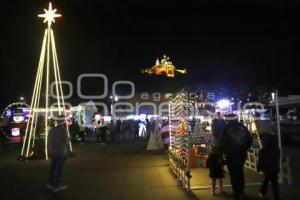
[[237, 135]]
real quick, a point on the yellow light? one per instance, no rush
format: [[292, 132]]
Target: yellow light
[[35, 92], [49, 15], [47, 90], [48, 53], [164, 67]]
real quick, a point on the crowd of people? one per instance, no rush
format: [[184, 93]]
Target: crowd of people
[[109, 132], [232, 141], [58, 141]]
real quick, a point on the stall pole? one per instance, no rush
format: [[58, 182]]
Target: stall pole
[[278, 134]]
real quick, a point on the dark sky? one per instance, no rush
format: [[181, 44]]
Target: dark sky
[[222, 43]]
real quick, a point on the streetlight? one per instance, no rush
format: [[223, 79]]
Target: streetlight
[[273, 96], [113, 99], [21, 98]]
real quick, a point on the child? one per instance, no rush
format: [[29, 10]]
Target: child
[[268, 163], [215, 164]]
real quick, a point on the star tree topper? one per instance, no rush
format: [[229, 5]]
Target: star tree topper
[[49, 15]]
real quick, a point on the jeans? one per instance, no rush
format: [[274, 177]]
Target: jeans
[[57, 164]]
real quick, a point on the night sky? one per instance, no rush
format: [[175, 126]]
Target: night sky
[[243, 43]]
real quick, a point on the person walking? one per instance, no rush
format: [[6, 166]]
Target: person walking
[[98, 133], [268, 163], [82, 133], [103, 131], [215, 164], [118, 131], [72, 130], [112, 130], [58, 142], [234, 144]]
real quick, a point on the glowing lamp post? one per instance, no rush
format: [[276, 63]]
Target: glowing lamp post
[[112, 111], [273, 96]]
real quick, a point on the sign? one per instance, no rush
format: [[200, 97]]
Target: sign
[[15, 132]]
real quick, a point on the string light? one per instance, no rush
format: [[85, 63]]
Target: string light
[[48, 57]]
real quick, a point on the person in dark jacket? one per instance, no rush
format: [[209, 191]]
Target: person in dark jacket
[[218, 126], [215, 164], [57, 142], [234, 143], [112, 130], [81, 131], [268, 163]]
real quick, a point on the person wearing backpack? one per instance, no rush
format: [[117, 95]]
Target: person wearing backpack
[[234, 144]]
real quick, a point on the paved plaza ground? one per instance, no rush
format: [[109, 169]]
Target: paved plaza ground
[[115, 171]]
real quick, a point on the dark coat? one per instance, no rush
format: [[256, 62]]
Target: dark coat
[[215, 164], [58, 141], [217, 128], [268, 160]]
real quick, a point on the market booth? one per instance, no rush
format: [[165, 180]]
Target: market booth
[[190, 139]]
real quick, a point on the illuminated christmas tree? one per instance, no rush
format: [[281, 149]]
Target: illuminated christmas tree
[[48, 72]]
